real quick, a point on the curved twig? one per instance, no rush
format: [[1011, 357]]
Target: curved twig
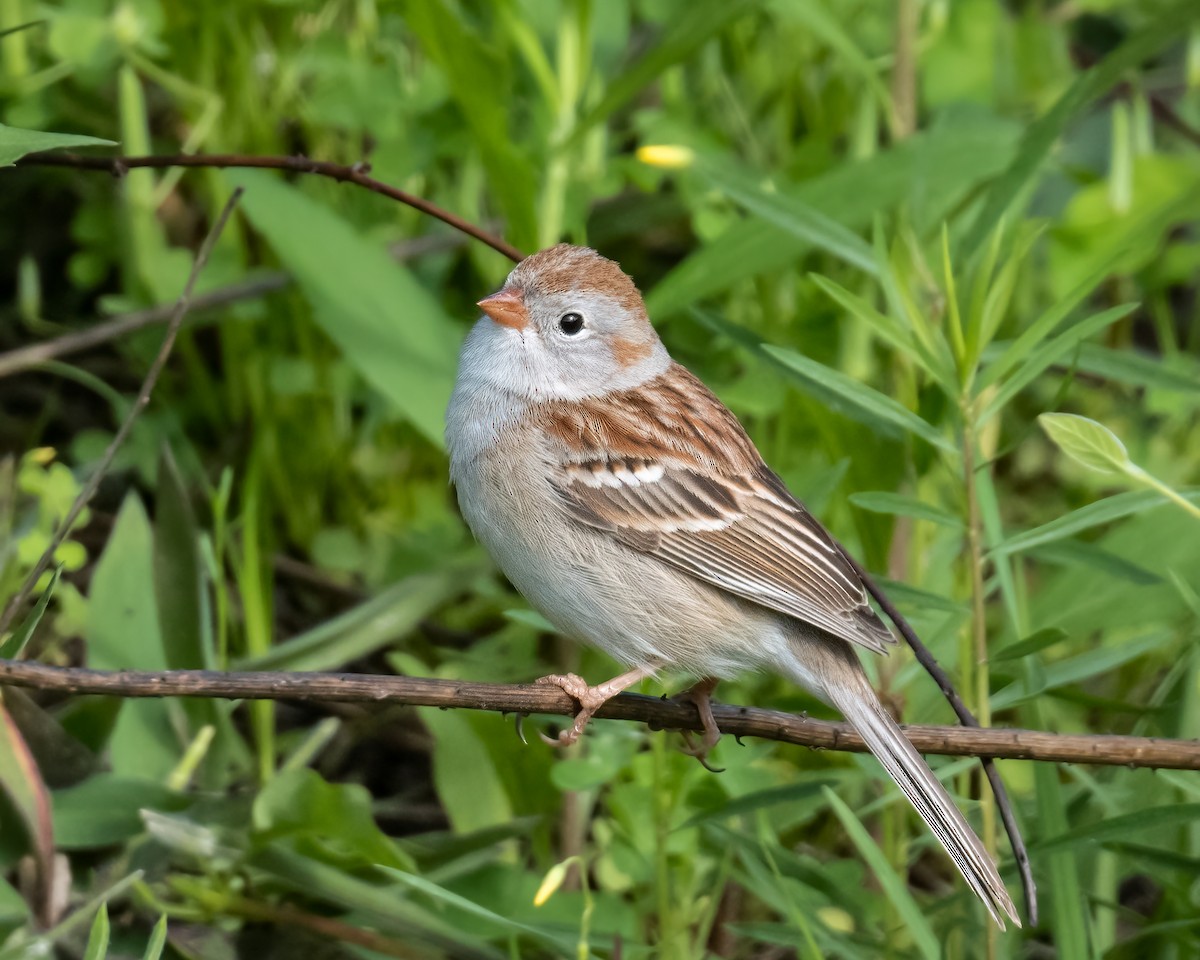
[[345, 173]]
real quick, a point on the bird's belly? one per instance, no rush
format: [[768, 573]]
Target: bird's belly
[[633, 606]]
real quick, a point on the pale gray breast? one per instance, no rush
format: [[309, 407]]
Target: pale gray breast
[[591, 587]]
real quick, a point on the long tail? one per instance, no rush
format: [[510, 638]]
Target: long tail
[[835, 667]]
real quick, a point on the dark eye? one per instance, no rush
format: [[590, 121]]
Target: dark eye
[[570, 323]]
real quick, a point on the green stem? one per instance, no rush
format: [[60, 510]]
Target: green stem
[[976, 646], [1141, 476]]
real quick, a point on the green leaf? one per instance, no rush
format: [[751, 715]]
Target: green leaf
[[879, 501], [1127, 366], [157, 941], [382, 907], [854, 399], [104, 810], [464, 772], [1086, 441], [16, 143], [333, 815], [915, 920], [1032, 644], [178, 582], [389, 327], [123, 632], [1049, 353], [12, 647], [1080, 667], [1076, 553], [1067, 901], [788, 213], [1119, 828], [376, 623], [97, 945], [1103, 511], [1163, 29], [885, 326], [683, 35]]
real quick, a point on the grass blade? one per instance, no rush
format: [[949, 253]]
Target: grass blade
[[893, 885], [854, 399]]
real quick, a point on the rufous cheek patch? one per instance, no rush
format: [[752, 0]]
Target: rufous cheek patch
[[628, 352]]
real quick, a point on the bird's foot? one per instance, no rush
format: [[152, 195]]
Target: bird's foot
[[700, 696], [590, 699]]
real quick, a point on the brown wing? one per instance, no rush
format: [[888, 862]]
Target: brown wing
[[635, 466]]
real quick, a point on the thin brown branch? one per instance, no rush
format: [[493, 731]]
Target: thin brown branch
[[343, 173], [139, 404], [24, 358], [658, 712]]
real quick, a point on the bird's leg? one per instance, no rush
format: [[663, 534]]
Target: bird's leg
[[699, 695], [590, 699]]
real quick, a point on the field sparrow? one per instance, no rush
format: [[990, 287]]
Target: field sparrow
[[630, 507]]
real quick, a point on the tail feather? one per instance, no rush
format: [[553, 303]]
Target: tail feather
[[851, 693]]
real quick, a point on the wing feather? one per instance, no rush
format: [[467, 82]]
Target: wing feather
[[704, 502]]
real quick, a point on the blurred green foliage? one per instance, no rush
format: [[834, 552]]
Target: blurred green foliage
[[888, 291]]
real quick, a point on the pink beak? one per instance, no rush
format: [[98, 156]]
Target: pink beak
[[506, 308]]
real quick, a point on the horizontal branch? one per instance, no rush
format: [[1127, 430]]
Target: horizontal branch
[[343, 173], [655, 711]]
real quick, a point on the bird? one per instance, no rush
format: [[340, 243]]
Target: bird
[[631, 508]]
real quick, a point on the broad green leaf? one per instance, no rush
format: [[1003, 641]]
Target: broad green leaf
[[1119, 828], [915, 921], [334, 815], [880, 501], [11, 648], [933, 168], [854, 399], [802, 221], [683, 35], [1086, 441], [16, 143], [1164, 28], [464, 772], [123, 633], [97, 945], [104, 810], [1112, 508], [388, 326], [1048, 353]]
